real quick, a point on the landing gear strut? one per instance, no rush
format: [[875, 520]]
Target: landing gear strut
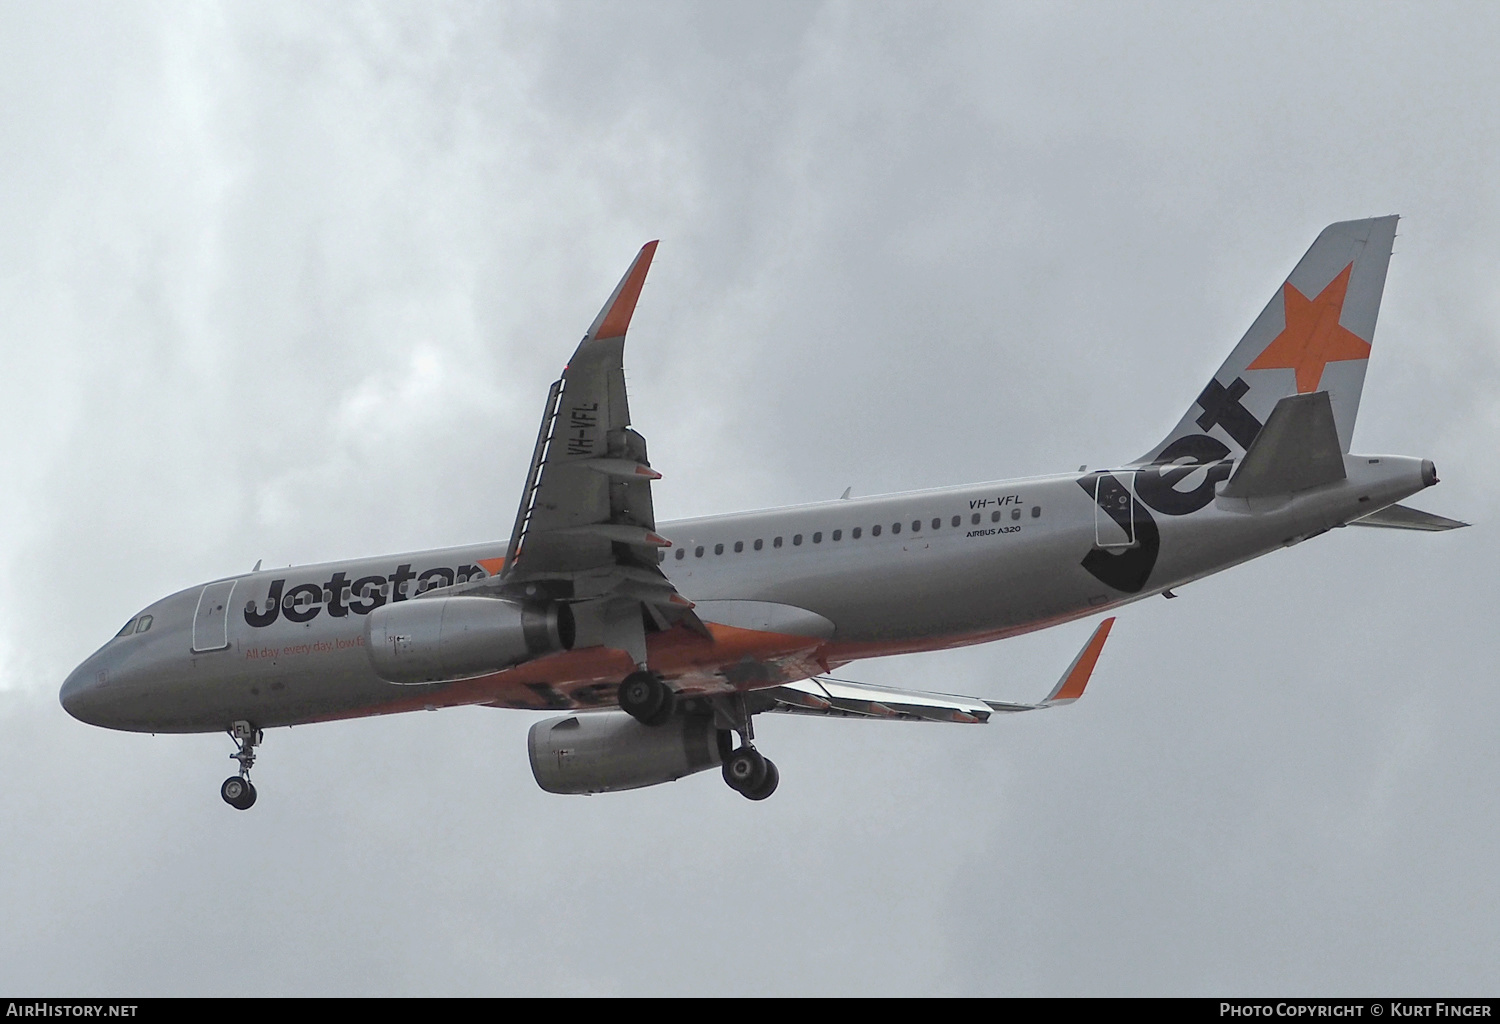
[[647, 698], [237, 790], [746, 770]]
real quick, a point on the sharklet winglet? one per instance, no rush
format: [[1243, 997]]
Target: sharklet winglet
[[1070, 687], [614, 319]]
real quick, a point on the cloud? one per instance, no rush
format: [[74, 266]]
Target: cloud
[[289, 282]]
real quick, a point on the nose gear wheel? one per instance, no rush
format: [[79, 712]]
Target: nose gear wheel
[[238, 793]]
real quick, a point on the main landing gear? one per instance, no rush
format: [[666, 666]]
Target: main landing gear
[[647, 698], [237, 790], [750, 773], [746, 770]]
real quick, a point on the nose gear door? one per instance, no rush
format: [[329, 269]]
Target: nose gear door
[[1114, 510], [211, 620]]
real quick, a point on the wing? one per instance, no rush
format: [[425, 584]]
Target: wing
[[842, 698], [585, 532]]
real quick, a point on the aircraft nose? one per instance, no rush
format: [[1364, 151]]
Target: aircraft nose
[[82, 695]]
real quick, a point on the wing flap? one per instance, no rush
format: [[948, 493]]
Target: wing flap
[[840, 698], [845, 698]]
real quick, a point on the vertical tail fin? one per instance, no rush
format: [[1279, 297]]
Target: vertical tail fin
[[1314, 335]]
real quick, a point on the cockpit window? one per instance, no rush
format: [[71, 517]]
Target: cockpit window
[[144, 624], [127, 629]]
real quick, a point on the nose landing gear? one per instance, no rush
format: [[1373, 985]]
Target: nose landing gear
[[237, 790]]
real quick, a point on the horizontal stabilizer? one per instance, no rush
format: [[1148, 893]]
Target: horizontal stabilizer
[[1297, 449], [1399, 517]]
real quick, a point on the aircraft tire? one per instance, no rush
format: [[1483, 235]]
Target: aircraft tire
[[238, 793], [667, 709], [768, 784], [644, 697], [745, 770]]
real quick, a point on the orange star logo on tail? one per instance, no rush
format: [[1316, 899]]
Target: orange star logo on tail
[[1313, 336]]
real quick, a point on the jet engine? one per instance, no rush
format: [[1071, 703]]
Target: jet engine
[[432, 639], [607, 751]]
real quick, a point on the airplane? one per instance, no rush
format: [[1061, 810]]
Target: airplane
[[657, 643]]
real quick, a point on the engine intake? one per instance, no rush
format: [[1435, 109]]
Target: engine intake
[[433, 639], [607, 751]]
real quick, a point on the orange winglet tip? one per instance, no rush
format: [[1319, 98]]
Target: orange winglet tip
[[647, 472], [657, 540], [680, 601], [1073, 682], [614, 319]]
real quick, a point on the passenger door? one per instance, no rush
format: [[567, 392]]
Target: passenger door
[[211, 620]]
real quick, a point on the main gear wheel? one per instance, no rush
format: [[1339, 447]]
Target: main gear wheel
[[647, 698]]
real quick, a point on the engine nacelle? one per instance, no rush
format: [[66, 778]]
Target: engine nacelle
[[607, 751], [436, 638]]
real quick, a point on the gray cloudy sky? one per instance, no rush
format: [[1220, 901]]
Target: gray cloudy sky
[[289, 281]]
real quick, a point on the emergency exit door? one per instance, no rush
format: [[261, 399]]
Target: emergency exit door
[[1114, 509]]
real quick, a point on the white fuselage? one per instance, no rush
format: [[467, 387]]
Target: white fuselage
[[896, 573]]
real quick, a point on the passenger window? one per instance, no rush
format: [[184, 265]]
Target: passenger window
[[698, 551], [957, 520], [916, 526], [838, 534], [681, 553], [759, 543], [875, 530], [1015, 513], [937, 524], [895, 527], [718, 549], [995, 516], [796, 540], [661, 555], [818, 537], [854, 533], [974, 519], [776, 543], [1036, 511], [127, 629], [739, 546]]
